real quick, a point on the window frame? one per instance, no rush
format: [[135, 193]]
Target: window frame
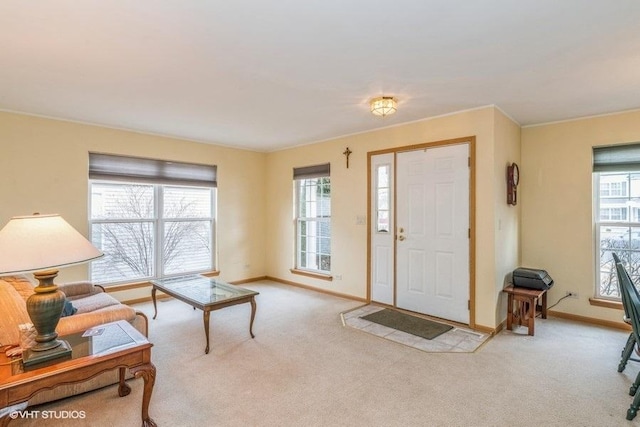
[[619, 158], [157, 221], [298, 220], [379, 188], [599, 223]]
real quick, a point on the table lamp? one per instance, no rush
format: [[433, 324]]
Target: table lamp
[[40, 244]]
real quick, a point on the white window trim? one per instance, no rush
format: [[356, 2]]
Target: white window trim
[[598, 223], [297, 224]]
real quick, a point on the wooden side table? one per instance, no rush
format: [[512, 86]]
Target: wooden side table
[[116, 345], [522, 306]]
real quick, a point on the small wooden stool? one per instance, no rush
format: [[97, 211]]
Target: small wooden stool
[[526, 306]]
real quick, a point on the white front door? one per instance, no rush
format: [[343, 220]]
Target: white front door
[[432, 229]]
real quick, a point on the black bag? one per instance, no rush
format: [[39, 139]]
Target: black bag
[[531, 278]]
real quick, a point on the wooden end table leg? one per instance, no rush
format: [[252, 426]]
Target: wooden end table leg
[[148, 374], [544, 305], [253, 316], [153, 297], [532, 315], [206, 329], [123, 387], [510, 312]]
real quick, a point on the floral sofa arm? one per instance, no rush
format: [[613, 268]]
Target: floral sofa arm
[[74, 290]]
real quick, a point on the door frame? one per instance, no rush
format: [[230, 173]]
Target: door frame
[[471, 141]]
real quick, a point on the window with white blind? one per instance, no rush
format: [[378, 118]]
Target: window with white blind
[[313, 218], [151, 218], [616, 195]]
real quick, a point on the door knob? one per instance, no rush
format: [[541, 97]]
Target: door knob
[[401, 238]]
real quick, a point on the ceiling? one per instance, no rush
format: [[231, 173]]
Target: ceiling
[[266, 75]]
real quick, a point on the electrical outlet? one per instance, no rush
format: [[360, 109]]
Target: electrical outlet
[[572, 294]]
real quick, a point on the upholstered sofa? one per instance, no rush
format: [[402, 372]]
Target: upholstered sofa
[[94, 307]]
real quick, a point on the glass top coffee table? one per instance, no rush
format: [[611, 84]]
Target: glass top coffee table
[[205, 293]]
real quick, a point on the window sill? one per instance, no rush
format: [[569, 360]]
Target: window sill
[[213, 273], [605, 303], [119, 287], [320, 276]]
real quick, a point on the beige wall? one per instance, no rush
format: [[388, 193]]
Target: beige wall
[[507, 217], [349, 200], [44, 169], [557, 218], [44, 165]]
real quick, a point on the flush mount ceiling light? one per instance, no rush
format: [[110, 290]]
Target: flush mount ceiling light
[[383, 105]]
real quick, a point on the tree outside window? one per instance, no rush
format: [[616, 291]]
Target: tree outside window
[[150, 230]]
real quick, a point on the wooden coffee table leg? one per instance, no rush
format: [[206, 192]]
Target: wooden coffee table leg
[[206, 329], [148, 374], [123, 387], [253, 316], [153, 297]]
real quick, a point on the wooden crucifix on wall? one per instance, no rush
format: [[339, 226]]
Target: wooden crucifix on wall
[[347, 153]]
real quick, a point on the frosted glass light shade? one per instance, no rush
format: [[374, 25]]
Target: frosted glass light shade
[[41, 242], [383, 106]]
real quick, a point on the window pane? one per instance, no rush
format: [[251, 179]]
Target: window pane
[[187, 246], [187, 202], [625, 242], [314, 245], [383, 198], [313, 239], [383, 222], [128, 249], [121, 201], [383, 176], [618, 202], [608, 278], [128, 224], [612, 238], [314, 198]]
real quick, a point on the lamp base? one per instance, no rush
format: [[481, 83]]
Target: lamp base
[[32, 357]]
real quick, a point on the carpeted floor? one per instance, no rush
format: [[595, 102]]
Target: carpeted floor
[[304, 368]]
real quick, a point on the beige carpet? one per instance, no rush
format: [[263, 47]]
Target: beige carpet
[[304, 368]]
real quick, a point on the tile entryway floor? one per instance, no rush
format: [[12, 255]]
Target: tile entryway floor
[[456, 340]]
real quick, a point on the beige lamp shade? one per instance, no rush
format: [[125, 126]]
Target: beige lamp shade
[[41, 242]]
